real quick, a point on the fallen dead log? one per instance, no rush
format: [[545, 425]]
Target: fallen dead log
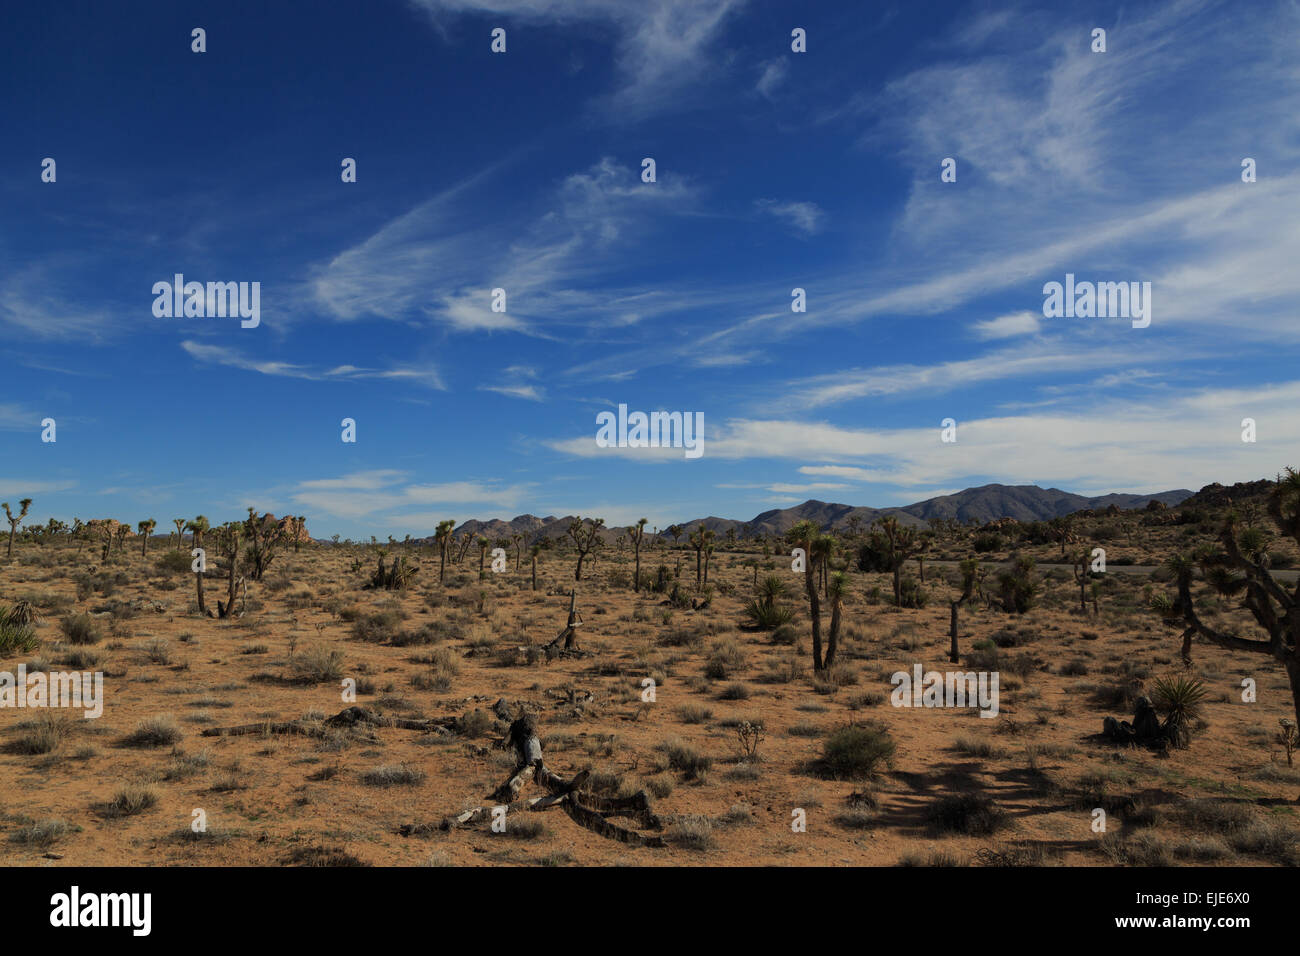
[[349, 717], [587, 809]]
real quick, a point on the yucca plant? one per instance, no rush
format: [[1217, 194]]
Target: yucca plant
[[1178, 697], [763, 608], [16, 632]]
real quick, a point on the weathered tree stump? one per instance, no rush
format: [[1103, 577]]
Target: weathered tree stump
[[588, 810]]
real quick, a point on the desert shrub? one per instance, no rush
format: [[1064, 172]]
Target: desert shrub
[[393, 776], [857, 752], [693, 832], [42, 735], [44, 833], [131, 800], [161, 731], [318, 665], [686, 760], [174, 562], [726, 658], [911, 594], [375, 628], [987, 541], [974, 814], [82, 629]]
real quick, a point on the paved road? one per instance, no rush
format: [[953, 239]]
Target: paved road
[[1281, 575]]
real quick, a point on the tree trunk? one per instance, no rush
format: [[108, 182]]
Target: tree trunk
[[636, 577], [952, 631], [815, 612]]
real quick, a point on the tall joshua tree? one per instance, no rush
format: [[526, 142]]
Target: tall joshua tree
[[482, 552], [533, 552], [199, 527], [14, 522], [517, 539], [180, 531], [585, 532], [636, 532], [1239, 567], [837, 588], [146, 529], [443, 537], [802, 535], [971, 576]]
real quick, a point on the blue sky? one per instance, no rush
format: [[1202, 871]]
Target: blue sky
[[775, 170]]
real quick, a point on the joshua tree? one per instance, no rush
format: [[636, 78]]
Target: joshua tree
[[533, 552], [1062, 530], [699, 539], [146, 529], [517, 539], [443, 537], [1016, 587], [120, 532], [300, 532], [1239, 567], [180, 531], [14, 522], [466, 539], [708, 554], [199, 527], [836, 589], [802, 536], [637, 532], [265, 536], [823, 547], [585, 532], [1079, 560], [482, 552], [676, 531], [888, 549], [971, 576], [229, 546]]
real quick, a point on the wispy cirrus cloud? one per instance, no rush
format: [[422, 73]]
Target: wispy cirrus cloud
[[663, 46], [426, 376]]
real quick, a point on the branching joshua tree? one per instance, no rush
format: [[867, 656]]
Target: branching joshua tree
[[180, 531], [971, 583], [466, 539], [585, 532], [145, 528], [15, 521], [533, 552], [228, 543], [888, 548], [265, 537], [1062, 530], [482, 552], [300, 532], [443, 537], [198, 528], [675, 530], [802, 535], [636, 532], [1239, 567], [517, 539]]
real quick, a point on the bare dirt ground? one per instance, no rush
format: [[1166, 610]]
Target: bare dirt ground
[[85, 792]]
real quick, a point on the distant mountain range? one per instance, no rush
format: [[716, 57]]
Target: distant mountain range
[[983, 504]]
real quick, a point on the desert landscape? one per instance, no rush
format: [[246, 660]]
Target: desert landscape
[[247, 712]]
